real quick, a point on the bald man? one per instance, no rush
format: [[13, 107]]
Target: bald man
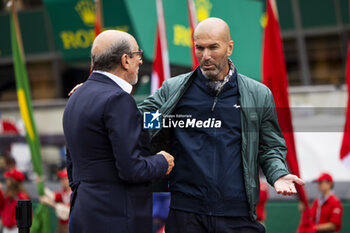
[[108, 160], [230, 129]]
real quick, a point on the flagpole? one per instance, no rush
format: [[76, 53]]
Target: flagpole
[[161, 68], [24, 96], [193, 23], [163, 39], [41, 221], [17, 29]]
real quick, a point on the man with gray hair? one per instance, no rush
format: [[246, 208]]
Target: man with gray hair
[[108, 160]]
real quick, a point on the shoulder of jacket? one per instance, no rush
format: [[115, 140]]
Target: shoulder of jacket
[[334, 198], [251, 83], [178, 80], [120, 96]]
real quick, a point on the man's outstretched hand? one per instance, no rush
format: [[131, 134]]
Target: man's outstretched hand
[[285, 184]]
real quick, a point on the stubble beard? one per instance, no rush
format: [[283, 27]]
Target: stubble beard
[[213, 75]]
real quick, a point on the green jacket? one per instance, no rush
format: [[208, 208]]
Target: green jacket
[[262, 140]]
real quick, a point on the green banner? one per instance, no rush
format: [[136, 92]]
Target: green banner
[[73, 24], [243, 17]]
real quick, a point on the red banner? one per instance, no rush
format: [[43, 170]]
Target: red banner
[[161, 69], [275, 77]]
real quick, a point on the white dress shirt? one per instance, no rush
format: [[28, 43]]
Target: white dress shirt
[[121, 82]]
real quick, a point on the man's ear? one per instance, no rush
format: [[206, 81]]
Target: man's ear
[[125, 62], [230, 48]]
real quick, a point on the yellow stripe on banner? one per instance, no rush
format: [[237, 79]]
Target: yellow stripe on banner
[[25, 113]]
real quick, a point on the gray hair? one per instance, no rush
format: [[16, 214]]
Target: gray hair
[[111, 57]]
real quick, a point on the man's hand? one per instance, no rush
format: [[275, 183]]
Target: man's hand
[[169, 158], [285, 184], [75, 88]]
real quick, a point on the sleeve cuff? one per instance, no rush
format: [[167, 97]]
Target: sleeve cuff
[[163, 163], [276, 175]]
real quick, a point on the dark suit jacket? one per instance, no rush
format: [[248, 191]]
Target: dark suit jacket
[[108, 160]]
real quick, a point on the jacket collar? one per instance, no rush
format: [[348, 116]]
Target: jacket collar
[[104, 79], [115, 79]]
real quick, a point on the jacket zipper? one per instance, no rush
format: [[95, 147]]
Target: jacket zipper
[[248, 190], [214, 104]]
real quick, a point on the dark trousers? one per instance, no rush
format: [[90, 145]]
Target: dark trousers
[[186, 222]]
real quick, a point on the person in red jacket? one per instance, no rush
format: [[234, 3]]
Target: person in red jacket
[[8, 200], [326, 211], [60, 201]]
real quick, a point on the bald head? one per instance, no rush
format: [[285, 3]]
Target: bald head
[[107, 39], [108, 48], [118, 53], [213, 46], [213, 27]]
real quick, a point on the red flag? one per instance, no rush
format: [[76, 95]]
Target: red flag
[[193, 23], [345, 147], [161, 69], [98, 20], [98, 17], [275, 77]]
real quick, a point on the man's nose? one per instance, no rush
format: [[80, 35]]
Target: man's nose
[[206, 54], [140, 62]]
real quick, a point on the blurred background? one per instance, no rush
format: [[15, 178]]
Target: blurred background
[[57, 37]]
